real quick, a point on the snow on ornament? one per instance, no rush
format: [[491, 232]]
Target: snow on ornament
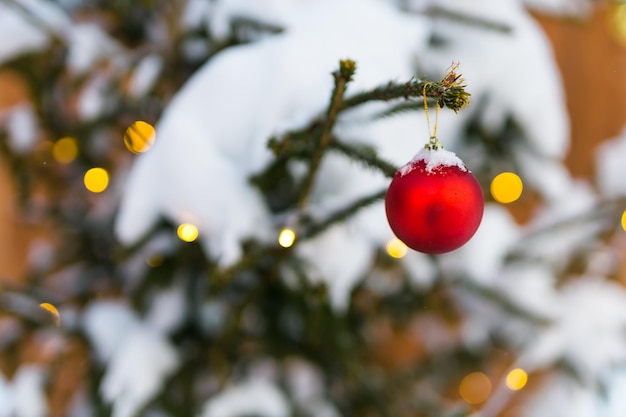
[[434, 204]]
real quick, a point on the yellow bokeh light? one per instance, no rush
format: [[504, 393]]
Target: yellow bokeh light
[[506, 187], [624, 220], [396, 248], [618, 22], [96, 180], [187, 232], [516, 379], [139, 137], [286, 238], [52, 310], [65, 150], [475, 388]]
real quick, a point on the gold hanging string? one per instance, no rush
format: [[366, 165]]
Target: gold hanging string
[[436, 120], [433, 143], [426, 107]]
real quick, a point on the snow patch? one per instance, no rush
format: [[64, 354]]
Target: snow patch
[[138, 370], [167, 309], [21, 125], [145, 75], [506, 71], [18, 36], [483, 256], [611, 166], [257, 397], [108, 323], [6, 401], [88, 44], [29, 399], [588, 332]]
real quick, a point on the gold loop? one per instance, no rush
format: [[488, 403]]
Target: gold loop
[[434, 134], [426, 108]]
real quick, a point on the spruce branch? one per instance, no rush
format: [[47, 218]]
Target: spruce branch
[[402, 107], [250, 259], [507, 305], [342, 77], [448, 93], [602, 212], [296, 143], [441, 12], [365, 155], [342, 214], [246, 26]]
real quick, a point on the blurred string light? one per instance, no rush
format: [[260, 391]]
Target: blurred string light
[[286, 238], [139, 137], [506, 187], [618, 22], [624, 220], [96, 180], [396, 248], [516, 379], [475, 388], [187, 232], [65, 150], [52, 310]]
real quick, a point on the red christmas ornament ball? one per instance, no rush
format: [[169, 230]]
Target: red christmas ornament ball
[[434, 204]]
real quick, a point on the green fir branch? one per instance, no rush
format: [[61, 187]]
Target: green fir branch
[[449, 92], [342, 214], [463, 18], [504, 303], [402, 107], [601, 214], [452, 96], [246, 27], [342, 77], [364, 155]]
